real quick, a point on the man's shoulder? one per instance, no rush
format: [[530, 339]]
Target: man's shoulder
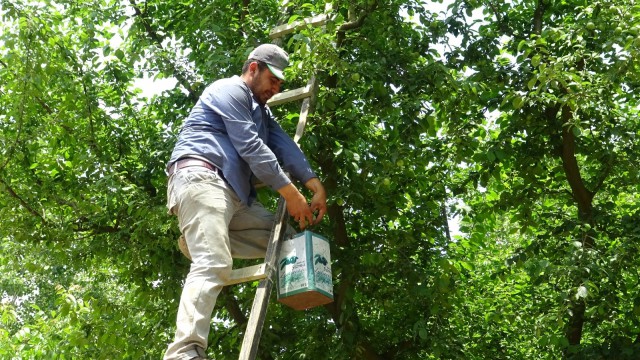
[[234, 82], [226, 88]]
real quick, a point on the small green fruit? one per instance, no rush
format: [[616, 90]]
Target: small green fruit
[[591, 26], [386, 182]]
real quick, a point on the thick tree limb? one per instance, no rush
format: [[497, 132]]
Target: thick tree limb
[[335, 310], [232, 306], [576, 323], [340, 232], [366, 350], [581, 194], [538, 16], [340, 33], [579, 191]]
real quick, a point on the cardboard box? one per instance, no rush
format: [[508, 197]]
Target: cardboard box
[[304, 271]]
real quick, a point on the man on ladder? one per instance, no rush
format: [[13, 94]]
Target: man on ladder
[[229, 137]]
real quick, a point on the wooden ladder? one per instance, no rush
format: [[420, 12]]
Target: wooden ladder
[[265, 271]]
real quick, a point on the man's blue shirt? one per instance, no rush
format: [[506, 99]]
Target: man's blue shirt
[[232, 131]]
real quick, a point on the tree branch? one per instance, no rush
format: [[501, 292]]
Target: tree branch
[[576, 323], [495, 11], [83, 224], [581, 194], [608, 166], [538, 16], [354, 24], [232, 306], [445, 220], [360, 20], [158, 40], [340, 232], [244, 12], [22, 201]]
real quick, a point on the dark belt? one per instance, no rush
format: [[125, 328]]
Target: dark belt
[[187, 162]]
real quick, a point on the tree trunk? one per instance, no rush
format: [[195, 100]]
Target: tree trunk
[[583, 198]]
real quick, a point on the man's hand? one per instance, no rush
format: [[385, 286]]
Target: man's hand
[[297, 206], [319, 199]]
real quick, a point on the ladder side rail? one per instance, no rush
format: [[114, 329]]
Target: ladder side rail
[[257, 316], [304, 110]]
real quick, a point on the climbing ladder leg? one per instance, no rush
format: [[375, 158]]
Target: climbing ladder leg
[[257, 316], [265, 271]]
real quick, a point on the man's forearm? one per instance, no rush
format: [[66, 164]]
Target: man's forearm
[[315, 185], [289, 192]]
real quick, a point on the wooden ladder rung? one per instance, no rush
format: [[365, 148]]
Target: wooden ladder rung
[[249, 273], [291, 95], [285, 29]]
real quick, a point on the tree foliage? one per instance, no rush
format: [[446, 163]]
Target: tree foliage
[[517, 119]]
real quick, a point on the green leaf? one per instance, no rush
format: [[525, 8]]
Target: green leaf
[[535, 60], [517, 102], [576, 131]]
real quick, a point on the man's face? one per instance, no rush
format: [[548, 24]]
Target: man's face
[[265, 85]]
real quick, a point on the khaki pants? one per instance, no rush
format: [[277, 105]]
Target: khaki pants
[[217, 227]]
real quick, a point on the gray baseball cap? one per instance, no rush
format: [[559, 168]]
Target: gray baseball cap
[[272, 55]]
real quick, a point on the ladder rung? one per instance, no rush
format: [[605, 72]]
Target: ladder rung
[[250, 273], [285, 29], [290, 95]]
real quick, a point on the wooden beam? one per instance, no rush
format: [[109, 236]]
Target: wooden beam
[[290, 95], [249, 273], [258, 313], [304, 111], [285, 29]]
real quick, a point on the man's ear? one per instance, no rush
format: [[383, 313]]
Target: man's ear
[[253, 67]]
